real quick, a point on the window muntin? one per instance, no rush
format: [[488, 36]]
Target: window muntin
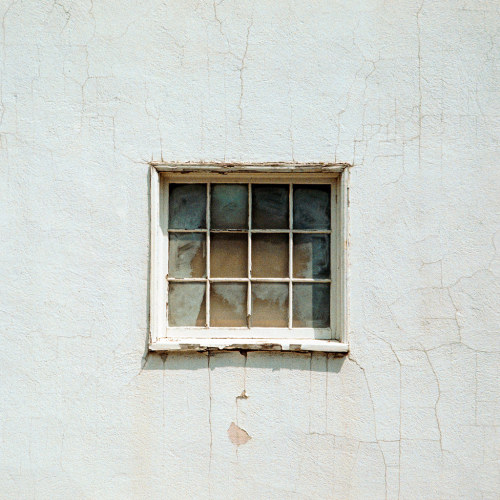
[[264, 250]]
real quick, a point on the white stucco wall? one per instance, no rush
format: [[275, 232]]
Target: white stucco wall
[[404, 90]]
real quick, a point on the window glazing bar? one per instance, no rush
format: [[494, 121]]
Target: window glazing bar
[[207, 298], [249, 267], [290, 255]]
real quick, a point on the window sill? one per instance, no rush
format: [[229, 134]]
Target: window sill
[[238, 344]]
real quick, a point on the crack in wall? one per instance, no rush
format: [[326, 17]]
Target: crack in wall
[[210, 426], [419, 57]]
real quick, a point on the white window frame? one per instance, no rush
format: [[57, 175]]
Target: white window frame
[[163, 338]]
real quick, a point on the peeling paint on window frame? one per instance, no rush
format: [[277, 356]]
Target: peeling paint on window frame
[[162, 338]]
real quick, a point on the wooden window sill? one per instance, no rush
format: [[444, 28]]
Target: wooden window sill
[[242, 344]]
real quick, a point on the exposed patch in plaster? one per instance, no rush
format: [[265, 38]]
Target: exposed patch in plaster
[[243, 395], [237, 435]]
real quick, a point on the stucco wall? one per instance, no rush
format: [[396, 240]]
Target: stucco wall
[[90, 91]]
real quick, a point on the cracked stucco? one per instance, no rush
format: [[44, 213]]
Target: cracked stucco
[[406, 91]]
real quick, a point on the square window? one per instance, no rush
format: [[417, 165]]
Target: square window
[[251, 259]]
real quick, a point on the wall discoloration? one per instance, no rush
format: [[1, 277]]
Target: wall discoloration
[[237, 435], [406, 92]]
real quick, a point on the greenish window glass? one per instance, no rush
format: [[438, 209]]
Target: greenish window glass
[[187, 206]]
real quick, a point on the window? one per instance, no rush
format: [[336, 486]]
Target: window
[[248, 257]]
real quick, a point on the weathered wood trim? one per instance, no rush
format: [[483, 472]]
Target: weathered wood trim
[[278, 167], [295, 345], [154, 282], [342, 256]]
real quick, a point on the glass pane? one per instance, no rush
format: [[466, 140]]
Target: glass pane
[[270, 304], [187, 206], [270, 206], [269, 255], [311, 305], [186, 304], [187, 255], [311, 256], [229, 206], [228, 255], [311, 207], [228, 304]]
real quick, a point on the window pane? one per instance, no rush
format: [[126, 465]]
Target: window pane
[[269, 255], [270, 304], [228, 304], [187, 255], [270, 206], [311, 305], [186, 304], [228, 255], [311, 207], [229, 206], [311, 256], [187, 206]]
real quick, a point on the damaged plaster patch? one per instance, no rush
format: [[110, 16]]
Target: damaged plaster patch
[[243, 395], [237, 435]]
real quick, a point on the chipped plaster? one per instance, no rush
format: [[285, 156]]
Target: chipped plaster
[[405, 91]]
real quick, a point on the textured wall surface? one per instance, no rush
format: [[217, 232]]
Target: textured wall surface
[[404, 90]]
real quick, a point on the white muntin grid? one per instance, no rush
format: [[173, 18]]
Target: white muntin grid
[[325, 333]]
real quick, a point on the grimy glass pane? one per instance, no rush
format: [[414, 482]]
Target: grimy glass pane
[[229, 206], [228, 304], [311, 256], [228, 255], [311, 305], [270, 206], [270, 304], [269, 255], [187, 206], [187, 255], [186, 304], [311, 207]]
